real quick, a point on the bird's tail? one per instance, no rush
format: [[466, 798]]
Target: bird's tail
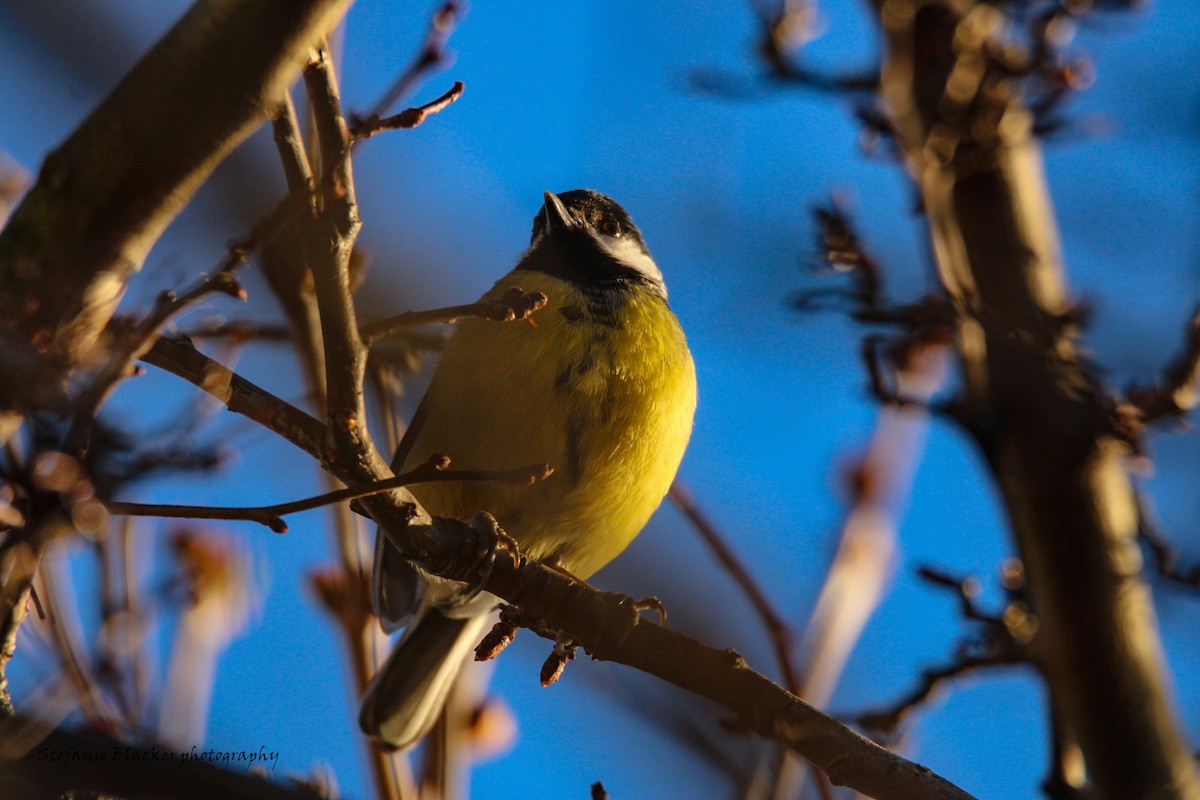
[[405, 697]]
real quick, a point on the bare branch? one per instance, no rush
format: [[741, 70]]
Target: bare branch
[[433, 54], [178, 356], [514, 305], [888, 720], [1166, 557], [1002, 641], [1176, 393], [435, 470], [135, 343], [1044, 424], [86, 226], [409, 118]]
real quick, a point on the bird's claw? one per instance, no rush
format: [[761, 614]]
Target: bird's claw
[[652, 604], [491, 539], [638, 606]]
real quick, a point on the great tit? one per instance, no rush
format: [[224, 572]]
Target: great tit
[[602, 388]]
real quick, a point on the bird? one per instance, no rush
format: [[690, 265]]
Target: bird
[[602, 387]]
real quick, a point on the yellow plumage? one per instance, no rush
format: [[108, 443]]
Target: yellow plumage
[[600, 386], [603, 390]]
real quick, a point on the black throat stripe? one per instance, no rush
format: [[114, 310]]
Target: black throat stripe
[[573, 255]]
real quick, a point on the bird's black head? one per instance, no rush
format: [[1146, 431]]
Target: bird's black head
[[588, 238]]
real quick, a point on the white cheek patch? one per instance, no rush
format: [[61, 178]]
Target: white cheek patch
[[630, 255]]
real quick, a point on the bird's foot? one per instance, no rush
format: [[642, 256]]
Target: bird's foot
[[638, 606], [490, 542]]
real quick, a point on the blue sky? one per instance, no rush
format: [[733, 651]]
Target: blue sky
[[561, 96]]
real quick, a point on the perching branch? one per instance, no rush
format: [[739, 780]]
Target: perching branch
[[605, 627]]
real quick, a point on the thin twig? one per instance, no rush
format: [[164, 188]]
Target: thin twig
[[430, 472], [887, 720], [513, 305], [20, 566], [290, 146], [433, 54], [406, 119], [136, 343], [779, 631], [1177, 393], [239, 395]]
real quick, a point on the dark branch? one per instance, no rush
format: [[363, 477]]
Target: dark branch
[[1176, 394], [513, 305], [435, 470]]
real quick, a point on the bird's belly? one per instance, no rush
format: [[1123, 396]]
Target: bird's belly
[[607, 406], [614, 451]]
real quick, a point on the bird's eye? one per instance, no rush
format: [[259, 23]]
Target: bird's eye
[[610, 227]]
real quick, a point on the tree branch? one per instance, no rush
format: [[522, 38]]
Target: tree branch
[[514, 305], [1177, 393], [406, 119], [435, 470], [87, 224], [607, 628], [969, 144]]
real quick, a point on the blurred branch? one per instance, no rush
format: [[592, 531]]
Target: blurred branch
[[86, 226], [66, 503], [780, 633], [949, 82], [1166, 557], [134, 344], [1003, 641], [1176, 394]]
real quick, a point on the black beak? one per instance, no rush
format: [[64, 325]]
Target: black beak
[[556, 214]]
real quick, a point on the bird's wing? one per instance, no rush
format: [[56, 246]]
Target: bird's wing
[[396, 585]]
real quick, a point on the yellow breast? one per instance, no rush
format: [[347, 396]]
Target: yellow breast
[[602, 387]]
